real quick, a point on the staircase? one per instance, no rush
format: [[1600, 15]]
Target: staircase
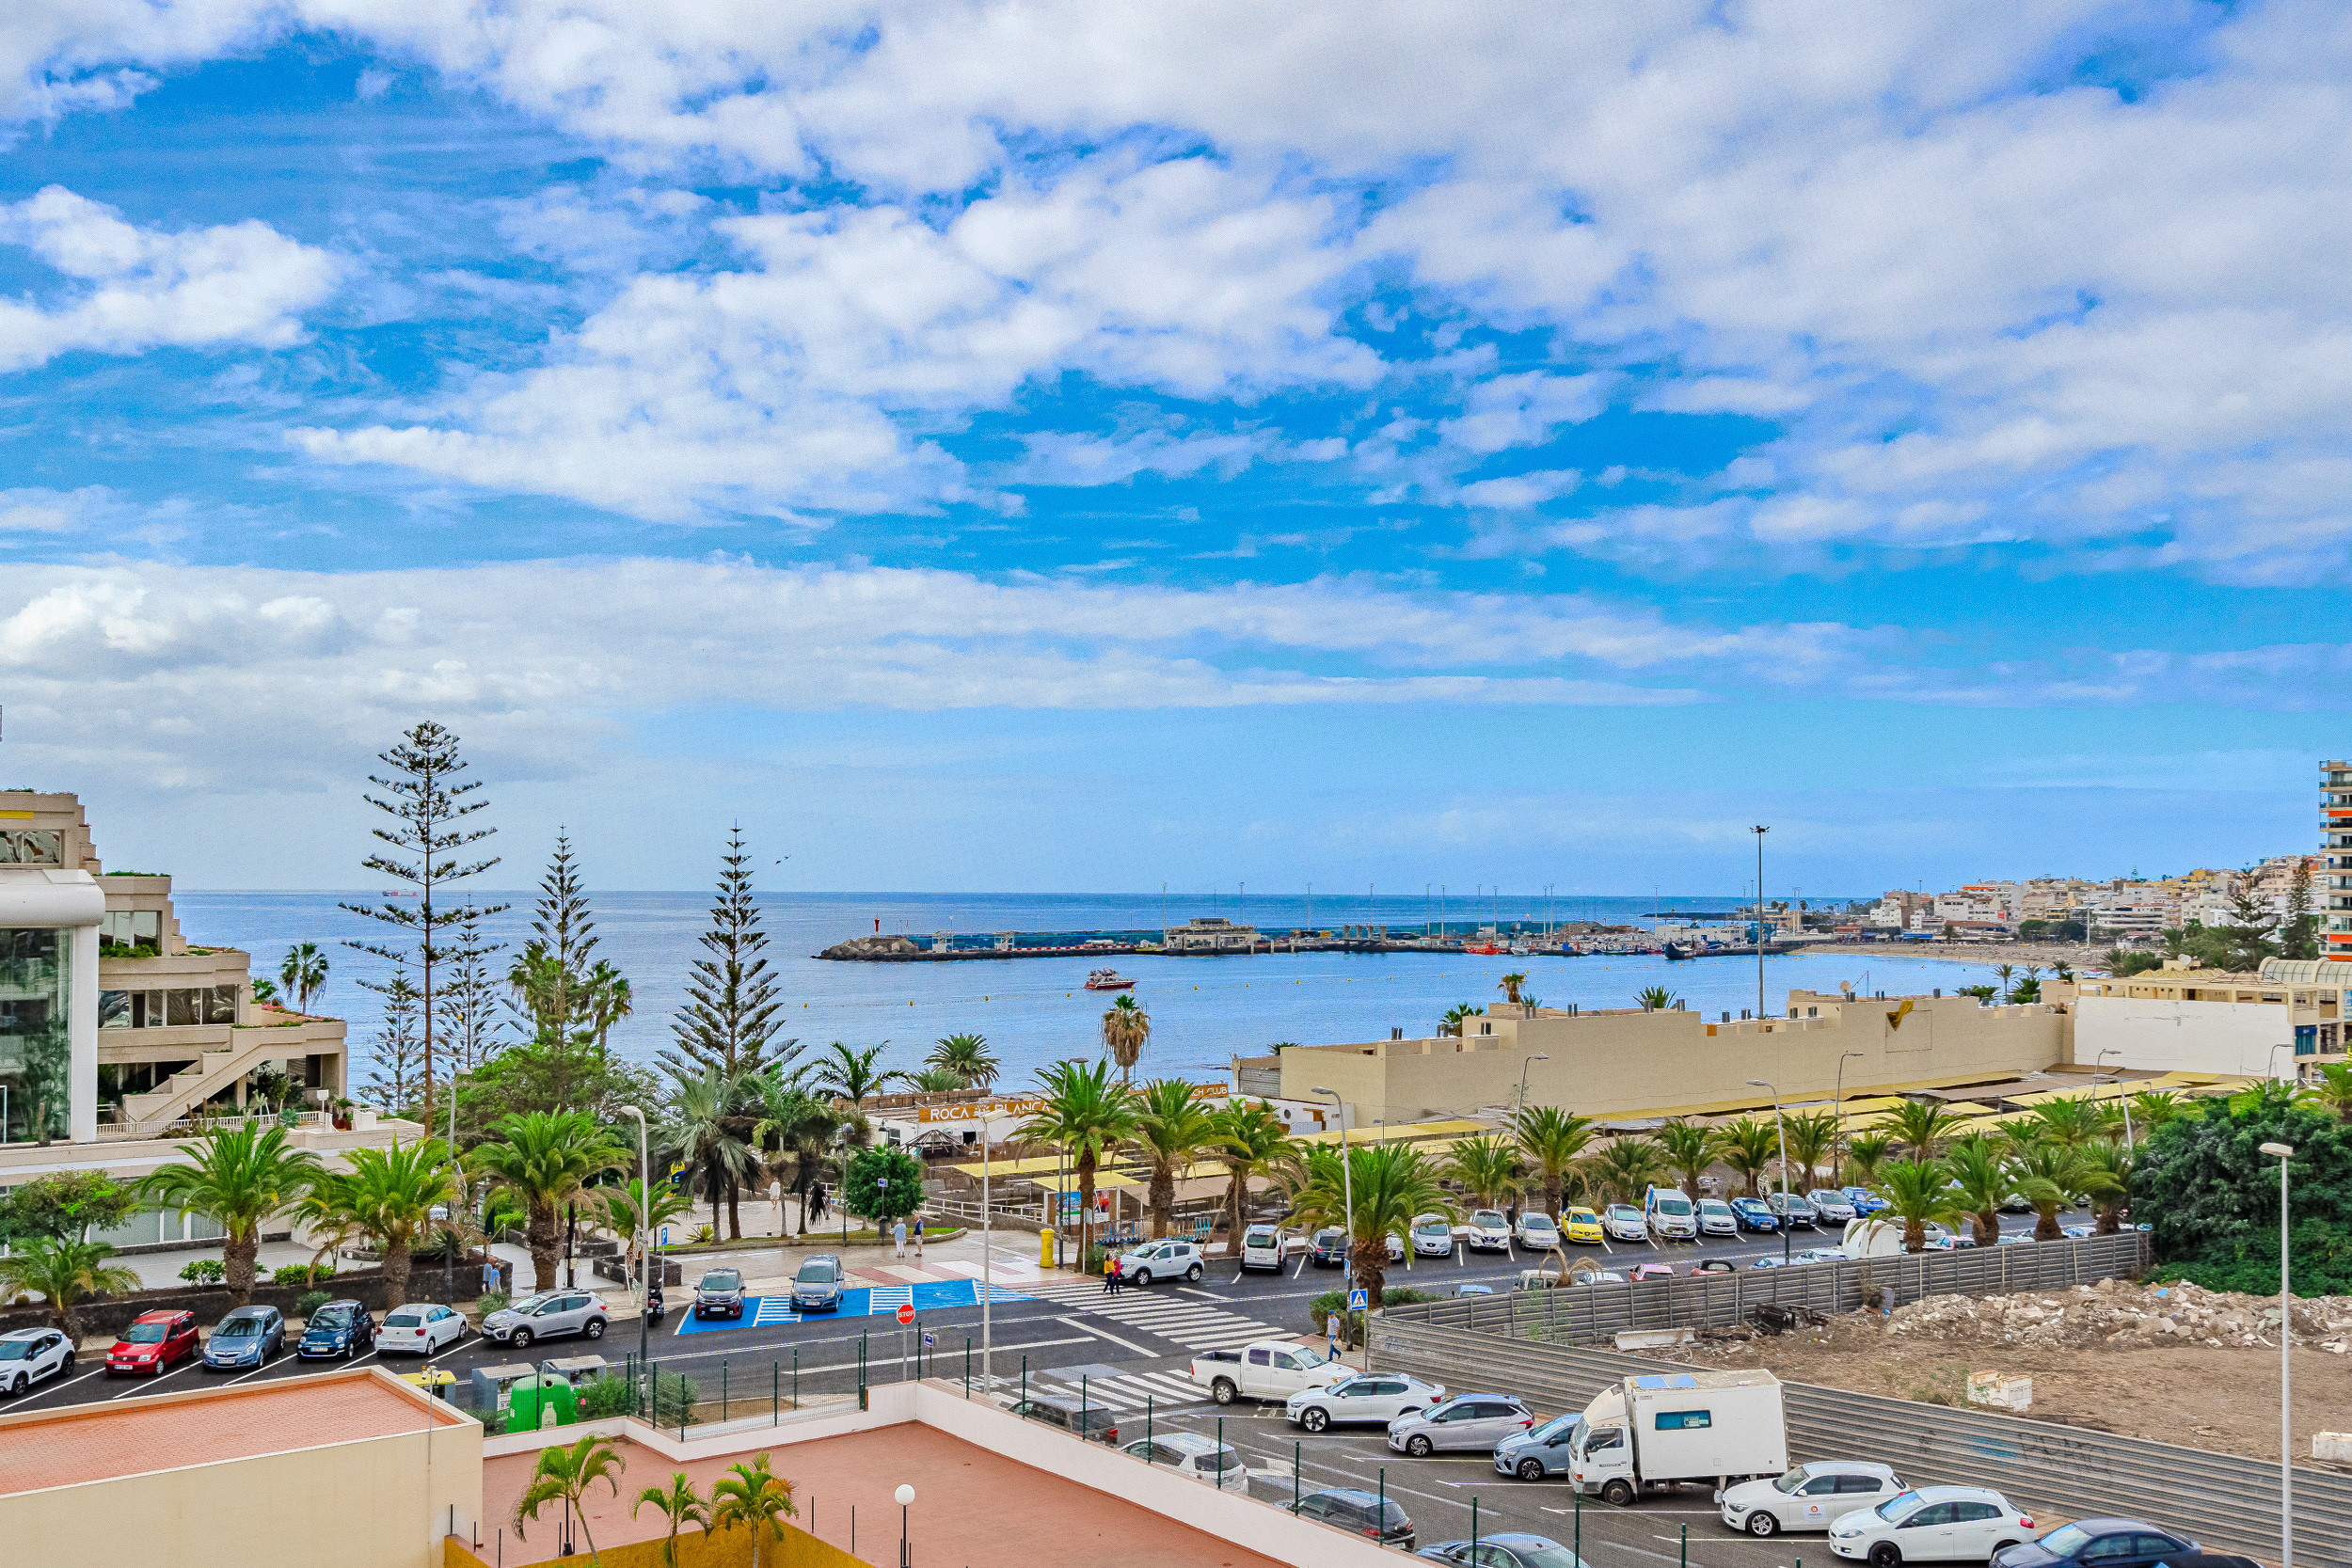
[[212, 1072]]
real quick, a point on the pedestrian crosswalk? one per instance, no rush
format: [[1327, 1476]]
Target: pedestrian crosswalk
[[1127, 1392], [1186, 1321]]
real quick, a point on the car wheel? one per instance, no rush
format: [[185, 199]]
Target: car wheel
[[1143, 1276], [1222, 1390], [1419, 1446], [1531, 1469], [1617, 1494], [1314, 1418], [595, 1329], [1762, 1524], [521, 1339], [1886, 1555], [68, 1364], [1193, 1274]]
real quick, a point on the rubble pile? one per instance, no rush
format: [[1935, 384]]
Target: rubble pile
[[2118, 1314]]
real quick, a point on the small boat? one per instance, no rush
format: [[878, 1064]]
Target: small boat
[[1108, 979]]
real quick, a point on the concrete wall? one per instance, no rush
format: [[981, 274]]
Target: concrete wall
[[2185, 1037]]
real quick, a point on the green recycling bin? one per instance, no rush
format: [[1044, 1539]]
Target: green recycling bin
[[541, 1401]]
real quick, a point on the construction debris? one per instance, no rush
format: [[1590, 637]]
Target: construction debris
[[2119, 1315]]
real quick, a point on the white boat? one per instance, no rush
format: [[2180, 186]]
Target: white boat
[[1108, 979]]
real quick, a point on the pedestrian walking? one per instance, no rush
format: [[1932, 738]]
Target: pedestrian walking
[[918, 1237], [1110, 1274], [899, 1237]]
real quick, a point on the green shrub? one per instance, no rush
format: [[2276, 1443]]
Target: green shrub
[[310, 1302], [2212, 1198], [606, 1396], [492, 1300], [205, 1271], [675, 1396], [1329, 1302], [299, 1274]]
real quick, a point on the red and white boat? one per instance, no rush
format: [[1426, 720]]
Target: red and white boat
[[1108, 979]]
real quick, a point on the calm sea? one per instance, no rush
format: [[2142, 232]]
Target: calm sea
[[1203, 1010]]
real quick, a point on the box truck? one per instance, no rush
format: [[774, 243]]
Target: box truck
[[1652, 1431]]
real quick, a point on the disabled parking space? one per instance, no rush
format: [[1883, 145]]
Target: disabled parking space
[[878, 1301]]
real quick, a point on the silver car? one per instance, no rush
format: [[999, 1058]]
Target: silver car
[[1366, 1398], [548, 1315], [818, 1286], [1833, 1206], [1811, 1497], [1464, 1421], [1161, 1260], [1540, 1451]]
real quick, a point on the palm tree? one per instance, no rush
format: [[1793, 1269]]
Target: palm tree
[[1980, 1184], [680, 1504], [617, 1208], [2062, 972], [2154, 1107], [1919, 1126], [1125, 1029], [750, 1495], [1172, 1128], [2049, 1176], [241, 1178], [1393, 1186], [390, 1195], [544, 1158], [1865, 1154], [1628, 1168], [1552, 1140], [1749, 1146], [1251, 1142], [2106, 1173], [1488, 1168], [2331, 1091], [705, 1127], [2072, 1122], [934, 1080], [802, 1127], [1509, 986], [608, 1000], [1654, 999], [303, 974], [1087, 1116], [565, 1473], [2002, 972], [1690, 1150], [63, 1272], [1916, 1193], [852, 1076], [1812, 1138], [968, 1058], [1450, 1023]]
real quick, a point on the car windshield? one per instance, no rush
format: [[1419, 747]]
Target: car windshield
[[1624, 1211], [238, 1328], [331, 1316], [1536, 1222], [1259, 1235], [1897, 1507], [1487, 1216], [1307, 1354], [1328, 1238], [1224, 1459], [147, 1334], [15, 1349], [815, 1273], [1670, 1203], [1559, 1426], [1713, 1206], [1548, 1555], [1433, 1228], [529, 1304], [2065, 1541], [722, 1279], [403, 1320], [1792, 1480]]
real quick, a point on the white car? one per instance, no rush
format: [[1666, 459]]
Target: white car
[[1381, 1397], [1831, 1205], [1188, 1453], [1433, 1237], [419, 1329], [1160, 1261], [1934, 1523], [1536, 1230], [1716, 1218], [1396, 1247], [29, 1355], [1489, 1231], [1811, 1497], [1822, 1254], [1624, 1223], [1261, 1248]]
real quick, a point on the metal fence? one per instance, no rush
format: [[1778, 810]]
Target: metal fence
[[1583, 1314], [2227, 1503]]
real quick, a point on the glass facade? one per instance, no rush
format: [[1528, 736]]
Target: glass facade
[[161, 1010], [36, 977]]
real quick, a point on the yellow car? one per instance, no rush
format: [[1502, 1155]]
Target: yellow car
[[1580, 1225]]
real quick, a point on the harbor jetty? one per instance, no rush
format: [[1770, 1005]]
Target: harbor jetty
[[1216, 936]]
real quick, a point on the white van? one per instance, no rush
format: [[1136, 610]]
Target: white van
[[1261, 1247], [1671, 1215]]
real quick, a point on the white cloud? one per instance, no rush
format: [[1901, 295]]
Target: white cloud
[[1522, 411], [136, 289]]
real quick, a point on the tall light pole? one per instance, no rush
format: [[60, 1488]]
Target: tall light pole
[[2131, 1139], [456, 1186], [2282, 1153], [988, 1285], [1848, 1056], [1347, 1181], [1760, 937], [1539, 1056], [1780, 1129], [644, 1231]]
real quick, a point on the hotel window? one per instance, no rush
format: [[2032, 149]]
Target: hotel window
[[36, 973], [32, 847], [131, 928]]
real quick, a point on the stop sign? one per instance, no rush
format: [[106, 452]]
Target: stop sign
[[906, 1312]]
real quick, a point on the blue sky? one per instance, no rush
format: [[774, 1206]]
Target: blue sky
[[1026, 448]]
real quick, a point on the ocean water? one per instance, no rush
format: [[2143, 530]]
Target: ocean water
[[1203, 1010]]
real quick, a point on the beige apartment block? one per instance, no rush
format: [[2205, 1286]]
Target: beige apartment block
[[1631, 1062], [2280, 1022]]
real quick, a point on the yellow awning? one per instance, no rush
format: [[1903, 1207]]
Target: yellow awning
[[1009, 1167], [1408, 1133], [1104, 1181]]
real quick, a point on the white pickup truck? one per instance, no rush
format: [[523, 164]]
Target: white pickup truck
[[1268, 1369]]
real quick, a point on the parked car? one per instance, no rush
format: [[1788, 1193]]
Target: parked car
[[1433, 1236], [1810, 1497], [248, 1336], [1464, 1421], [1934, 1523], [1396, 1247], [1714, 1265], [1716, 1218], [1820, 1254], [1767, 1263], [1865, 1201], [720, 1294], [153, 1342], [1653, 1270], [1096, 1423], [1622, 1222], [548, 1315], [1261, 1248], [1755, 1214], [1188, 1453], [2098, 1543], [1360, 1512], [1540, 1451], [1670, 1215], [1831, 1205], [1489, 1231], [422, 1328], [1381, 1397], [2016, 1203], [2015, 1238], [819, 1283], [344, 1328], [1582, 1224], [1165, 1259], [1328, 1249], [1264, 1369], [1536, 1230], [31, 1355], [1505, 1551], [1792, 1210]]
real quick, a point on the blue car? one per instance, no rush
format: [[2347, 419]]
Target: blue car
[[342, 1328], [2097, 1543], [1865, 1201], [247, 1338], [1754, 1214]]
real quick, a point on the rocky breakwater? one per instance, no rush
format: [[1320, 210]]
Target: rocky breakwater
[[873, 947], [2117, 1314]]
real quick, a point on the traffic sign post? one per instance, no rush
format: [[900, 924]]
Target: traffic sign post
[[906, 1313], [906, 1316], [1358, 1300]]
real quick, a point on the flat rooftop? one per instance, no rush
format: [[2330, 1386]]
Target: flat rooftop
[[972, 1507], [176, 1431]]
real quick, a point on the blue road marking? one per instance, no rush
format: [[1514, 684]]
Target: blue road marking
[[939, 1295]]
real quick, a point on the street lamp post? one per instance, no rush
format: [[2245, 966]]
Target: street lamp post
[[1539, 1056], [1759, 934], [988, 1285], [1347, 1179], [905, 1497], [1783, 1132], [2282, 1153], [644, 1231], [2131, 1139], [1848, 1056]]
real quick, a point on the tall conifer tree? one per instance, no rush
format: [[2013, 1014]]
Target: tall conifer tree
[[728, 1021]]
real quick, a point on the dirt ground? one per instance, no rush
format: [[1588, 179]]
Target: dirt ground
[[2222, 1399]]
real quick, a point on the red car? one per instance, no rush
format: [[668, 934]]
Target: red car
[[153, 1343]]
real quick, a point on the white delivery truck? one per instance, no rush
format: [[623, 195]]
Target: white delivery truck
[[1654, 1431]]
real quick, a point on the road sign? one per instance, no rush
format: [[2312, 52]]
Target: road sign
[[1358, 1300], [927, 1341], [665, 1235], [906, 1312]]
